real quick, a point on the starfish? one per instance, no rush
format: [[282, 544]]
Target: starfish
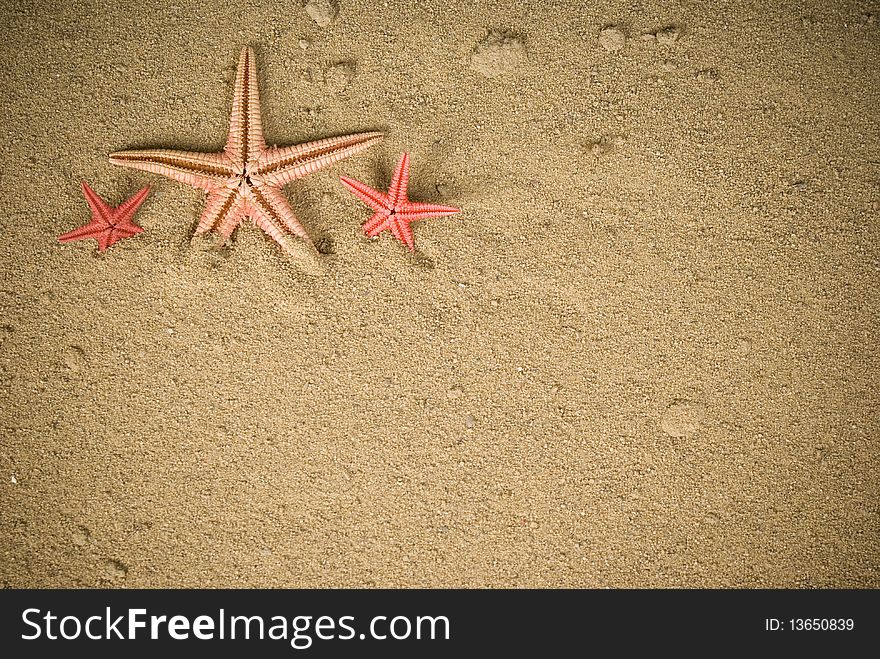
[[245, 178], [394, 212], [108, 225]]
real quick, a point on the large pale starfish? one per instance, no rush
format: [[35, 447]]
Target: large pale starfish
[[245, 179]]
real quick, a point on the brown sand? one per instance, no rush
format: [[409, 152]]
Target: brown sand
[[644, 355]]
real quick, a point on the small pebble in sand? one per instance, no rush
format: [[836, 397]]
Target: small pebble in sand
[[454, 392], [612, 39], [683, 418], [743, 346], [114, 570], [339, 76], [605, 144], [81, 536], [74, 358], [323, 12], [499, 53], [707, 75], [668, 36], [305, 44], [469, 422]]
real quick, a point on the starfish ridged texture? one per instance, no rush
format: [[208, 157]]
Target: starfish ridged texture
[[394, 212], [246, 178], [109, 224]]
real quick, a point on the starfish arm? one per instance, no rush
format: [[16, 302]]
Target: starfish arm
[[399, 181], [277, 203], [233, 216], [415, 210], [271, 224], [375, 224], [401, 230], [129, 207], [372, 198], [279, 166], [102, 212], [206, 171], [116, 234], [127, 231], [90, 230], [105, 239], [245, 141], [216, 208]]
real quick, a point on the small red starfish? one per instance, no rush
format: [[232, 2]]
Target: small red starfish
[[108, 225], [394, 211]]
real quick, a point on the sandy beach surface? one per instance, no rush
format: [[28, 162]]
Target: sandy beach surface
[[645, 354]]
